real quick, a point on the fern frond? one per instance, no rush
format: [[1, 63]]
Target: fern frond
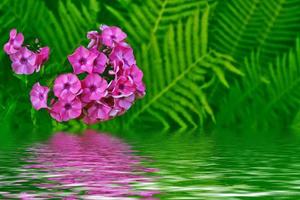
[[266, 26], [62, 30], [62, 33], [265, 96], [153, 17], [19, 13], [66, 32], [176, 74]]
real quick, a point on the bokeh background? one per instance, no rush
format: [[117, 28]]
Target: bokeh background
[[208, 64]]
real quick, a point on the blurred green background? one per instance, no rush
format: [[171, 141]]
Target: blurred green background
[[208, 64]]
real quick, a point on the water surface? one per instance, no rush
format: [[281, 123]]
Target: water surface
[[96, 165]]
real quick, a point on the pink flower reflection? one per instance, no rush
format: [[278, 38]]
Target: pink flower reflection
[[92, 164]]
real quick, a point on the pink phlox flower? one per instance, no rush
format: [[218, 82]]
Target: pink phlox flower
[[140, 89], [111, 35], [42, 57], [122, 56], [39, 96], [124, 87], [126, 102], [124, 44], [15, 42], [110, 83], [94, 88], [82, 60], [67, 86], [98, 111], [103, 26], [94, 38], [137, 75], [89, 120], [100, 61], [23, 61], [111, 102], [64, 110]]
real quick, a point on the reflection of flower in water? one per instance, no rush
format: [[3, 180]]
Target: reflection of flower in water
[[93, 164]]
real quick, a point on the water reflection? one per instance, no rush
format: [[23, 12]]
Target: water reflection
[[90, 166], [191, 166], [205, 167]]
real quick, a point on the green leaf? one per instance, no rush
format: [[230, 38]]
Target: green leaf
[[269, 27], [265, 95], [151, 18], [176, 89]]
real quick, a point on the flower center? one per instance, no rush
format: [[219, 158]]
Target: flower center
[[98, 105], [67, 86], [93, 88], [126, 62], [82, 61], [113, 37], [41, 96], [68, 106], [121, 86], [95, 62], [23, 60], [109, 101]]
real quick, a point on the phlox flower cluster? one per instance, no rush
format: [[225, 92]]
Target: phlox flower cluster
[[24, 61], [104, 84]]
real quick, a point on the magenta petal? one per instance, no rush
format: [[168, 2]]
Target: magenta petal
[[82, 60], [39, 96], [94, 88], [15, 42], [64, 110], [42, 57], [124, 55], [23, 62], [19, 40], [67, 86], [13, 33], [99, 63], [112, 36], [98, 111], [125, 104]]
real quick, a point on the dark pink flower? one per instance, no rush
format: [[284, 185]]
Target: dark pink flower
[[122, 56], [15, 42], [82, 60], [123, 87], [42, 57], [39, 96], [99, 63], [88, 120], [125, 102], [140, 89], [97, 112], [137, 75], [112, 35], [119, 105], [64, 110], [67, 86], [94, 38], [94, 87], [110, 88], [111, 102], [23, 61]]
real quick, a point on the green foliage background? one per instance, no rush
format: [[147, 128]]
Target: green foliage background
[[207, 63]]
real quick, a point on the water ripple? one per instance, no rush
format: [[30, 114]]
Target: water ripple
[[90, 166]]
